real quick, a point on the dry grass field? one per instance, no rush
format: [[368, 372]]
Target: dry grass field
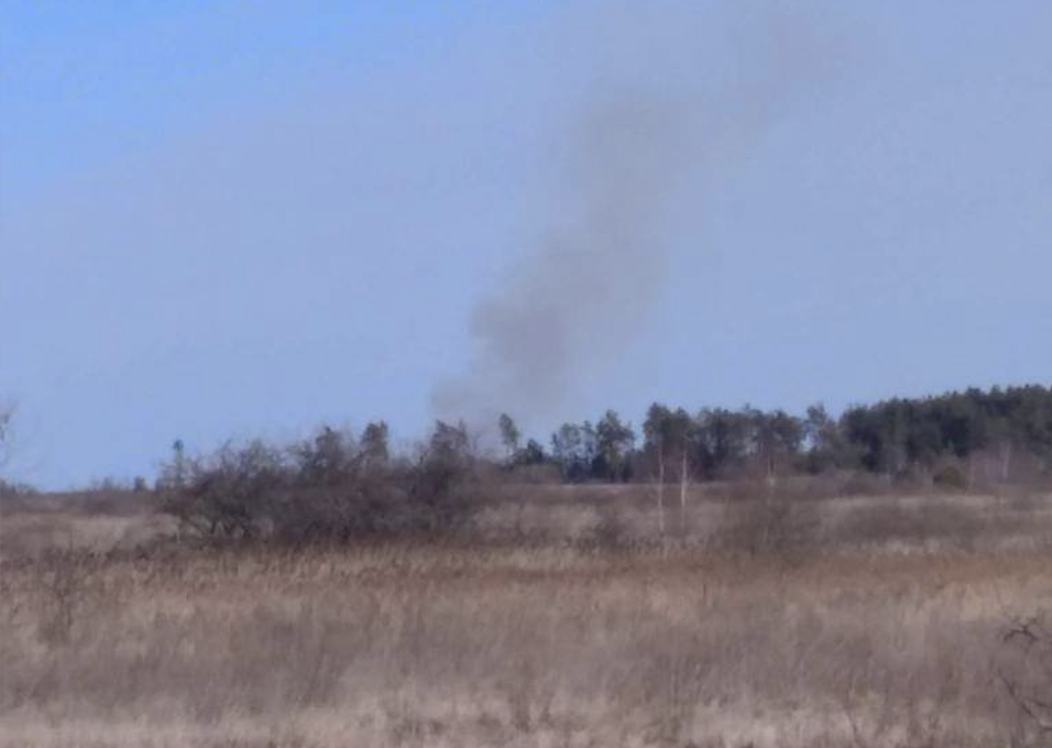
[[856, 622]]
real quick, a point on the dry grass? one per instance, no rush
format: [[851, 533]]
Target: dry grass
[[518, 642]]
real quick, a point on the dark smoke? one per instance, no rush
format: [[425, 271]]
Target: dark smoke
[[573, 302]]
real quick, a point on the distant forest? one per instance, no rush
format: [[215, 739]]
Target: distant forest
[[994, 435], [338, 485], [988, 436], [998, 431]]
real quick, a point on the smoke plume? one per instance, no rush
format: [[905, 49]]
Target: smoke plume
[[572, 303]]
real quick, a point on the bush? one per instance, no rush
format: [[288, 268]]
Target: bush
[[327, 489], [950, 477], [773, 525], [227, 494], [932, 520]]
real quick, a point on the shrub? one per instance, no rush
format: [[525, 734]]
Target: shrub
[[1026, 673], [326, 489], [950, 477], [932, 520], [773, 525], [226, 494]]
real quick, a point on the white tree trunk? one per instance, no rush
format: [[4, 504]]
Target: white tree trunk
[[661, 491], [684, 482]]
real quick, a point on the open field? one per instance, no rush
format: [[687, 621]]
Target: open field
[[859, 622], [533, 375]]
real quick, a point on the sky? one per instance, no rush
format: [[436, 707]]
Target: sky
[[230, 219]]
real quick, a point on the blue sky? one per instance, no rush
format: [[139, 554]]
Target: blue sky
[[224, 219]]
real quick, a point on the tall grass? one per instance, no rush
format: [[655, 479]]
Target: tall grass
[[516, 643]]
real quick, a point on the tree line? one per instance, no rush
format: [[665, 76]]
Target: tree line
[[338, 485], [334, 486], [896, 438]]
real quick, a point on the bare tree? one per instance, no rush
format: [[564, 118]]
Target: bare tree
[[8, 411], [509, 435], [226, 495], [686, 477], [669, 439], [776, 435], [374, 442], [655, 443], [614, 440]]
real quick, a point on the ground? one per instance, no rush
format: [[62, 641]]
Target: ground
[[870, 621]]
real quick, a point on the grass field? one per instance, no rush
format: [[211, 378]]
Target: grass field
[[860, 622]]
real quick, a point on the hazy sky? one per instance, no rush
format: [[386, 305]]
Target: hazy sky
[[227, 219]]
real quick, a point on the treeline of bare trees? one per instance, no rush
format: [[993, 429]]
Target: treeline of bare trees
[[334, 486]]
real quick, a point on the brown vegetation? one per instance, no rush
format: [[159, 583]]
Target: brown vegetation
[[796, 623]]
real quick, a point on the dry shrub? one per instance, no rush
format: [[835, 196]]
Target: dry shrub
[[772, 525], [323, 492], [610, 530], [925, 521], [793, 627], [61, 582], [455, 644], [1025, 671], [834, 484], [866, 484], [950, 478], [535, 475]]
